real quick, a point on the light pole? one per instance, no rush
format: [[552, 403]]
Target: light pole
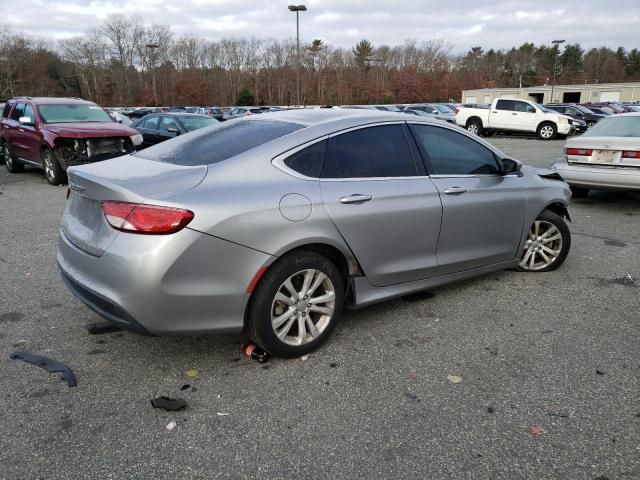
[[297, 9], [555, 65], [378, 61], [151, 48]]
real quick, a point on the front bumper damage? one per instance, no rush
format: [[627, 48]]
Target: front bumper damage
[[71, 151]]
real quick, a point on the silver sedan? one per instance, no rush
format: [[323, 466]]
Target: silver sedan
[[606, 157], [272, 224]]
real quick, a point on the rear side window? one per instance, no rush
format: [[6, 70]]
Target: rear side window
[[452, 153], [218, 142], [504, 105], [308, 161], [369, 152], [166, 123], [17, 112], [7, 109]]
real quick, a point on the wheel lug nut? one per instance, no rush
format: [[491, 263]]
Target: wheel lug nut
[[308, 305]]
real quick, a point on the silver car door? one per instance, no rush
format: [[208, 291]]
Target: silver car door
[[483, 210], [388, 214]]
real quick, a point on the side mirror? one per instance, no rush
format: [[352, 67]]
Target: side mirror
[[26, 121], [173, 130], [509, 165], [580, 114]]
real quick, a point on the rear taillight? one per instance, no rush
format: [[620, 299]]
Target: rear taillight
[[579, 151], [457, 110], [631, 154], [147, 219]]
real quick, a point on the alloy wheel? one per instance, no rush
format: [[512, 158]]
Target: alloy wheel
[[7, 156], [303, 307], [48, 167], [546, 131], [543, 246], [473, 128]]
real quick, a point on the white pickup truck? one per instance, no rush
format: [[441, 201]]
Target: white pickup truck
[[511, 115]]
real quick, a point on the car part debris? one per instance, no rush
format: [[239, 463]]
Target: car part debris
[[171, 426], [193, 373], [169, 404], [253, 351], [48, 364], [98, 328], [454, 378]]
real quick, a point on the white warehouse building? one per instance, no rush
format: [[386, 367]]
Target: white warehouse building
[[582, 93]]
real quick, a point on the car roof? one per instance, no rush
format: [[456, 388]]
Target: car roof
[[181, 114], [53, 100]]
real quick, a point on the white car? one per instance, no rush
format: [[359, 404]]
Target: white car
[[511, 115], [606, 157]]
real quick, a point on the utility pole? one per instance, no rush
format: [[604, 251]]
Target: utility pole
[[297, 9], [151, 49], [555, 65]]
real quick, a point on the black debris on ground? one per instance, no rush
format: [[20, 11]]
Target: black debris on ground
[[169, 404], [48, 364]]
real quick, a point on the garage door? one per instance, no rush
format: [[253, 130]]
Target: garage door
[[609, 96]]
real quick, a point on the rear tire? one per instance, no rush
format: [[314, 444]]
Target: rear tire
[[52, 170], [547, 131], [13, 165], [290, 323], [474, 127], [579, 192], [547, 245]]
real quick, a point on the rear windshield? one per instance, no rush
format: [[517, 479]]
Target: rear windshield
[[73, 113], [219, 142], [615, 126]]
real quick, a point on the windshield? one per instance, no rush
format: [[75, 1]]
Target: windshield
[[194, 123], [443, 109], [583, 109], [73, 113], [615, 127]]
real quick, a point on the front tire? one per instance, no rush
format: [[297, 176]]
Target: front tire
[[547, 245], [13, 164], [52, 170], [296, 304], [547, 131]]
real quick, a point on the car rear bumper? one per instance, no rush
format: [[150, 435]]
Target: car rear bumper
[[182, 284], [606, 178]]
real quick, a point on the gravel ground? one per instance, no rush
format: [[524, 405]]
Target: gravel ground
[[557, 351]]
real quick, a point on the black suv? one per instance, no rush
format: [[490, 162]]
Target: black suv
[[576, 111]]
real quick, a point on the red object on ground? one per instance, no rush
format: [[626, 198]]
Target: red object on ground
[[535, 431], [413, 375]]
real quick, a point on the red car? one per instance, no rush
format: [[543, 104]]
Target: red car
[[56, 133]]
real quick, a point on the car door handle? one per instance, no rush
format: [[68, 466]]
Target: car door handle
[[356, 198], [454, 190], [513, 113]]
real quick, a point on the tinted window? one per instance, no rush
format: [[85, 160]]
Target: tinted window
[[28, 112], [166, 123], [218, 142], [523, 107], [504, 105], [150, 122], [308, 161], [452, 153], [369, 152], [7, 109], [17, 112], [194, 123]]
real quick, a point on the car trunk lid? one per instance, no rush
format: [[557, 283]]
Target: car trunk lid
[[127, 179], [604, 151]]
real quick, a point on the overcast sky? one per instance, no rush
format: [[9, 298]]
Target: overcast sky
[[490, 23]]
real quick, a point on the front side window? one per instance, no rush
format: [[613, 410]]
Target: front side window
[[28, 112], [523, 107], [150, 123], [308, 161], [17, 112], [380, 151], [452, 153], [195, 123], [166, 123]]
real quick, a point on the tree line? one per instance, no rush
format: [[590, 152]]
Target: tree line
[[123, 62]]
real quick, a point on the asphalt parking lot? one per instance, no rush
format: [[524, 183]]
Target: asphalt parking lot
[[557, 351]]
